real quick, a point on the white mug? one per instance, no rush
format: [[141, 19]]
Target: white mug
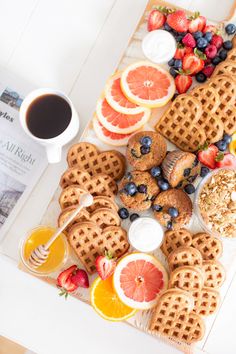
[[53, 145]]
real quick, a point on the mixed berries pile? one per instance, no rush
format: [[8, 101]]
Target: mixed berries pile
[[200, 47]]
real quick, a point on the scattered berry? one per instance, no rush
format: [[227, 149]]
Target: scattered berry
[[123, 213], [156, 20], [189, 40], [195, 162], [207, 154], [80, 278], [145, 150], [178, 21], [157, 207], [217, 40], [202, 43], [183, 83], [173, 212], [222, 145], [211, 51], [208, 36], [225, 160], [208, 70], [105, 265], [230, 28], [133, 217], [173, 72], [191, 179], [142, 188], [146, 141], [171, 62], [197, 23], [223, 54], [163, 184], [197, 34], [178, 64], [200, 77], [130, 188], [193, 62], [189, 188], [204, 171], [167, 27], [216, 60], [169, 225], [227, 138], [187, 172], [228, 45], [156, 171]]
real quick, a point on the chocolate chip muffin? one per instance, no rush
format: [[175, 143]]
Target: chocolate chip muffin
[[137, 190], [173, 209], [180, 168], [145, 150]]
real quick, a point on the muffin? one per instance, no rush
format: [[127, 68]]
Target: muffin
[[145, 150], [180, 168], [173, 209], [137, 190]]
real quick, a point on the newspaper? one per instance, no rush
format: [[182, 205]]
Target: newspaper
[[22, 161]]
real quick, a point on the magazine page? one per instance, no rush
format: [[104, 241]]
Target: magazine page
[[22, 161]]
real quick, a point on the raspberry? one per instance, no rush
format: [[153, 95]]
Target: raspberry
[[189, 40], [211, 51], [208, 70]]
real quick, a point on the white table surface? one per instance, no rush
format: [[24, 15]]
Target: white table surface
[[74, 45]]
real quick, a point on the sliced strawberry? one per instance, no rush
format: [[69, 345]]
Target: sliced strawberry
[[197, 23], [178, 21], [64, 281], [105, 265], [225, 160], [181, 50], [80, 278], [194, 62], [217, 41], [210, 28], [207, 155], [156, 20], [183, 82]]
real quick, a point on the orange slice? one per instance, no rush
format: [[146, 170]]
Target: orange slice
[[117, 122], [117, 100], [147, 84], [106, 302], [108, 137], [232, 145], [139, 279]]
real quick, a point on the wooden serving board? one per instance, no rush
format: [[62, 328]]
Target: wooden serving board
[[132, 54]]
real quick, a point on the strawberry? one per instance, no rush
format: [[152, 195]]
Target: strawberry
[[210, 28], [178, 21], [64, 281], [105, 265], [207, 155], [197, 23], [193, 62], [80, 278], [181, 50], [156, 19], [217, 41], [208, 70], [183, 82], [189, 40], [225, 160]]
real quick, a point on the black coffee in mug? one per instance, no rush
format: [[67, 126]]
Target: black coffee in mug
[[48, 116]]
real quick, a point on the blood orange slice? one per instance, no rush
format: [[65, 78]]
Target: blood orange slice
[[117, 99], [118, 122], [139, 279], [147, 84], [108, 137]]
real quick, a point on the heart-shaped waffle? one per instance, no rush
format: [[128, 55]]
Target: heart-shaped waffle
[[206, 301], [81, 217], [87, 157], [232, 54], [74, 176], [225, 68], [173, 317], [89, 242], [179, 124], [102, 202], [187, 278], [210, 122], [70, 196], [184, 256], [104, 217], [174, 239], [210, 247], [214, 274]]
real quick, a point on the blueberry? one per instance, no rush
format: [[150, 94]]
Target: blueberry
[[123, 213], [174, 97], [179, 38], [167, 27], [179, 185], [178, 64], [130, 188], [223, 54], [133, 217], [189, 189], [173, 72], [187, 172], [216, 60], [204, 171], [169, 225], [200, 77], [142, 188], [202, 43], [227, 138], [197, 34], [171, 62], [230, 28], [163, 184], [157, 207], [208, 36], [227, 45], [191, 179], [195, 162], [145, 150], [156, 171], [173, 212], [146, 141], [222, 145]]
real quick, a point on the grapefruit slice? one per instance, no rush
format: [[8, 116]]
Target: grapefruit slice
[[117, 122], [108, 137], [147, 84], [106, 302], [139, 279], [117, 100]]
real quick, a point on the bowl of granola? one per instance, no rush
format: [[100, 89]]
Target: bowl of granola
[[215, 203]]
